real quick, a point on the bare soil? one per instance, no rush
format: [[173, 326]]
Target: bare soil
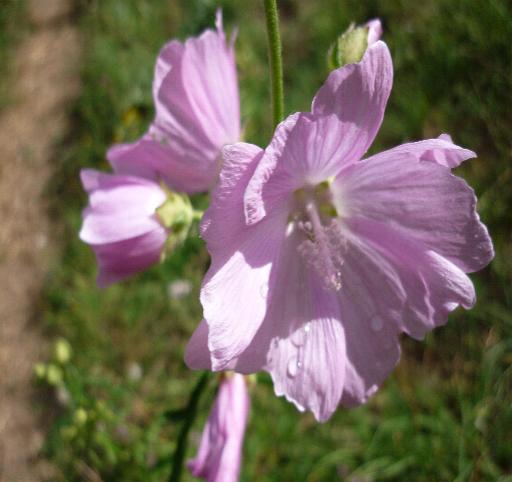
[[44, 80]]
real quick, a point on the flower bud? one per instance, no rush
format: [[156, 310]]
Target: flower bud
[[351, 45]]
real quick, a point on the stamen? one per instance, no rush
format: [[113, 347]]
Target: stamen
[[324, 248]]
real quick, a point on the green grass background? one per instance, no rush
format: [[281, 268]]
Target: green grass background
[[444, 415]]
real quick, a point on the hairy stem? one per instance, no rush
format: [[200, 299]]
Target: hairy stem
[[275, 60]]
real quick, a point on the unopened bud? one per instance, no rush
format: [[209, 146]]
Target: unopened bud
[[176, 214], [351, 45]]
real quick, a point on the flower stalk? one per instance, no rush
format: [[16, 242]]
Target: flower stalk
[[275, 60]]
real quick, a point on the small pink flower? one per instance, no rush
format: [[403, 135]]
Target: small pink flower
[[220, 450], [196, 99], [321, 259], [121, 225]]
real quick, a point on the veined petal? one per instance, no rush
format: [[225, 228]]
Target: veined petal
[[306, 355], [120, 207], [357, 94], [427, 286], [154, 157], [219, 455], [242, 258], [197, 101], [305, 151], [422, 200], [441, 150]]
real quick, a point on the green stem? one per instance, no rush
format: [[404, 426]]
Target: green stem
[[191, 412], [275, 60]]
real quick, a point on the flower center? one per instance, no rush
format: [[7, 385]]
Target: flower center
[[325, 245]]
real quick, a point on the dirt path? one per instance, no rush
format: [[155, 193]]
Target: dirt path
[[44, 81]]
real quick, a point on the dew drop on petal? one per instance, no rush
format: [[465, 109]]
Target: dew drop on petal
[[307, 328], [293, 366], [298, 338]]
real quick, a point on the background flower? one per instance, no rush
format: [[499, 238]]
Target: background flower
[[195, 91]]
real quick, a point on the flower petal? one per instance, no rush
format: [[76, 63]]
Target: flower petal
[[307, 353], [441, 150], [304, 152], [422, 200], [197, 101], [120, 207], [197, 355], [152, 157], [357, 94], [220, 451], [241, 260], [374, 31], [122, 259], [427, 286]]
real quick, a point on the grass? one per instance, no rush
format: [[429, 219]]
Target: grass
[[445, 414]]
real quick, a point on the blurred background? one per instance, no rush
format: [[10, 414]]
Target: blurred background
[[92, 381]]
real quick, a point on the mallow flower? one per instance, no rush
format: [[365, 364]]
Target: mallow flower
[[195, 92], [197, 111], [220, 450], [121, 223], [321, 259]]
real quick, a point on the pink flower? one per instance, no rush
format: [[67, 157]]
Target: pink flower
[[320, 259], [121, 225], [196, 99], [220, 450]]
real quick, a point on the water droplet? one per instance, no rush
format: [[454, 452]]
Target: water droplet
[[298, 338], [307, 328], [294, 366], [264, 290], [376, 324]]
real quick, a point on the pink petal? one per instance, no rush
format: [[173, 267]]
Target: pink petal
[[421, 200], [254, 206], [241, 260], [374, 31], [197, 101], [170, 55], [197, 355], [183, 171], [125, 258], [305, 151], [306, 355], [357, 94], [441, 150], [220, 451], [195, 92], [120, 207], [428, 287]]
